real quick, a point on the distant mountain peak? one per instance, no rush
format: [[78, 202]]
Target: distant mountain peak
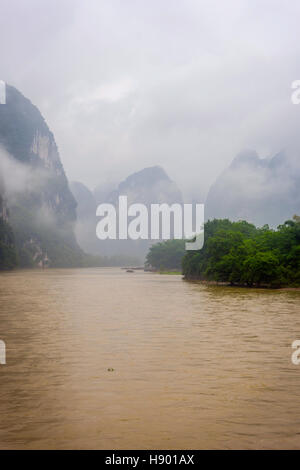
[[246, 157], [259, 190], [146, 176], [148, 186]]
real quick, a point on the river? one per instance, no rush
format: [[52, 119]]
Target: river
[[105, 359]]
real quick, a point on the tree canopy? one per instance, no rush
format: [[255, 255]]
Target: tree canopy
[[166, 255], [239, 253]]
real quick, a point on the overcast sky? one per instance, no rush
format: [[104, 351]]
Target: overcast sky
[[185, 84]]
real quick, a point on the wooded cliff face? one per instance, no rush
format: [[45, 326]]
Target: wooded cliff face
[[8, 257], [42, 210]]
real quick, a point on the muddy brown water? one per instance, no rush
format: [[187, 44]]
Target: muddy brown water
[[103, 359]]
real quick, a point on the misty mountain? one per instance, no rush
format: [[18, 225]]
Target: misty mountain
[[8, 256], [42, 209], [261, 191], [85, 228], [86, 202], [148, 186], [102, 192]]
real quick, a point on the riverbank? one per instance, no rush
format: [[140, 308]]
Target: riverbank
[[244, 286], [170, 273]]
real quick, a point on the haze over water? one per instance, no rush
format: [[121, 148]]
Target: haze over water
[[193, 366]]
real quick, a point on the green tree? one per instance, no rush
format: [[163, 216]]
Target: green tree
[[239, 253], [166, 255]]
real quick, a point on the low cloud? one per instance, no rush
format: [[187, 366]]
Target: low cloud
[[18, 178]]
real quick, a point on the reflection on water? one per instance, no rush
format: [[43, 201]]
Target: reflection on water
[[193, 366]]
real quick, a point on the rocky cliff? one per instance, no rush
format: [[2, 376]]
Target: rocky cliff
[[42, 208], [8, 257]]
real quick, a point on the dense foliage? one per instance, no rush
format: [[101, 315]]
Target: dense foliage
[[166, 255], [241, 254]]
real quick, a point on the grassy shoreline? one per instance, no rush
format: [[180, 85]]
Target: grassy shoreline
[[241, 286], [170, 273]]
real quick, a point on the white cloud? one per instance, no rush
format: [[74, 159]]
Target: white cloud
[[186, 85]]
